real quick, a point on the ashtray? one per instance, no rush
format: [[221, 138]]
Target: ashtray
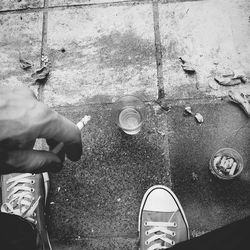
[[226, 164]]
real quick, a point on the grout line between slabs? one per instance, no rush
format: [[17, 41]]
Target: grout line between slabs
[[158, 49], [43, 45], [83, 5]]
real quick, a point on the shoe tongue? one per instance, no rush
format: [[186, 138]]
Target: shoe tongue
[[159, 216]]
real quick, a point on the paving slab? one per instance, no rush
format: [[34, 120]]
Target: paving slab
[[21, 35], [99, 196], [20, 4], [209, 203], [100, 53], [212, 36]]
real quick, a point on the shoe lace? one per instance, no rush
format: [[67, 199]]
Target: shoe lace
[[20, 200], [160, 233]]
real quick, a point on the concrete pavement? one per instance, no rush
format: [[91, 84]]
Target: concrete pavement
[[101, 50]]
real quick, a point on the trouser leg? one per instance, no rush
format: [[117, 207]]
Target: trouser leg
[[16, 233], [235, 236]]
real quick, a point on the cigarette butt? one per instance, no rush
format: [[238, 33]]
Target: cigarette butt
[[83, 121], [230, 162], [226, 164], [223, 160], [217, 160], [232, 170], [80, 125]]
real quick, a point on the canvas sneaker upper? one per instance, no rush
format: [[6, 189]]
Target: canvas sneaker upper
[[25, 195], [162, 222]]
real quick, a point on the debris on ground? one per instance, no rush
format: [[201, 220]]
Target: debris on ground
[[199, 118], [86, 119], [188, 111], [63, 50], [187, 66], [227, 81], [241, 99], [163, 104], [213, 85], [40, 75], [24, 64], [227, 73], [241, 76], [231, 78], [160, 132], [45, 60], [195, 176]]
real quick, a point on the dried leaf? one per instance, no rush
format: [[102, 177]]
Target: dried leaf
[[188, 68], [240, 99], [41, 74], [242, 78], [227, 81], [213, 85], [24, 64]]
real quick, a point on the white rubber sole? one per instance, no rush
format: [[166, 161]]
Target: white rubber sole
[[46, 191], [172, 194], [46, 185]]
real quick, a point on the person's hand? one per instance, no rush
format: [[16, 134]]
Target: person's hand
[[23, 119]]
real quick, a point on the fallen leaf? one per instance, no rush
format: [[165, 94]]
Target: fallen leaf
[[24, 64], [227, 81], [242, 78], [41, 74], [241, 100], [188, 68], [213, 85]]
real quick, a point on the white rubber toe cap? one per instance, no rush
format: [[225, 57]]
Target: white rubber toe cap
[[160, 200]]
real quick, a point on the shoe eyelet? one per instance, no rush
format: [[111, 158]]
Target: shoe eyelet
[[146, 233], [175, 224], [146, 242], [145, 223], [32, 182], [173, 234], [34, 214], [32, 190], [35, 222], [33, 174], [172, 243]]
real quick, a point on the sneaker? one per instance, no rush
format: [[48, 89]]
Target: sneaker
[[162, 222], [25, 195]]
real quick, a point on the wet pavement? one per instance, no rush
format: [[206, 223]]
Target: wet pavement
[[209, 202], [94, 203], [99, 196]]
